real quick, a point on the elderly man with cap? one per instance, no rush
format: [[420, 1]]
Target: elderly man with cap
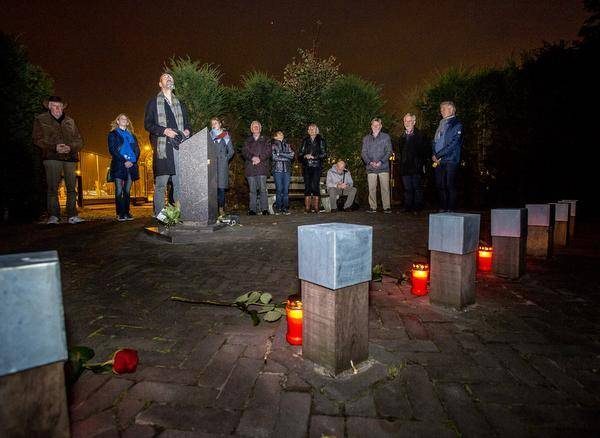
[[56, 134]]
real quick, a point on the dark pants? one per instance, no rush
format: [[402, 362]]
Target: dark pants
[[122, 195], [282, 187], [413, 192], [312, 176], [258, 186], [54, 170], [445, 179], [221, 197]]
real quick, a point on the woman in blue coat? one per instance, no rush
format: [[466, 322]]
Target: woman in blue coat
[[125, 151]]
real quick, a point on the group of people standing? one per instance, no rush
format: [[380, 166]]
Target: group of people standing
[[167, 122]]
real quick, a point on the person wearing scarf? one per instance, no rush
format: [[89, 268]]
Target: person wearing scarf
[[125, 151], [165, 115], [224, 152]]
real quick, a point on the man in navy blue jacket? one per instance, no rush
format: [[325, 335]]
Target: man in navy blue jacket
[[447, 144]]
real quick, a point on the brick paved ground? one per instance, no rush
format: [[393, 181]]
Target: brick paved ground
[[524, 361]]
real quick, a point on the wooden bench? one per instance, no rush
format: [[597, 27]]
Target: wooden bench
[[296, 191]]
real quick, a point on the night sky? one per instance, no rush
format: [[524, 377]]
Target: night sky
[[105, 57]]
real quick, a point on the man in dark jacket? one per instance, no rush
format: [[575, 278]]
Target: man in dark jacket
[[166, 120], [257, 152], [60, 141], [413, 152], [447, 144]]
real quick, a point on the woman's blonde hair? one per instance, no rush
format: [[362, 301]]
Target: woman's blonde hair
[[315, 125], [115, 123]]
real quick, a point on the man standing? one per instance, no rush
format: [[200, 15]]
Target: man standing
[[447, 144], [413, 153], [60, 141], [257, 152], [167, 122], [376, 152], [339, 182]]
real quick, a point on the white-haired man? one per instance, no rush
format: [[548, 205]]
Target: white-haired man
[[339, 182]]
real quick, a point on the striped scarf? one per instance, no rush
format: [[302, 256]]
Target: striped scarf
[[161, 144]]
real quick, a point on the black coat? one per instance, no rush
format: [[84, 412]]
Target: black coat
[[316, 148], [164, 166], [414, 152]]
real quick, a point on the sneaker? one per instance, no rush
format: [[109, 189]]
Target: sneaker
[[265, 212], [387, 210], [286, 212], [371, 210], [76, 220], [129, 217], [251, 213], [334, 210], [277, 212], [121, 218], [52, 220]]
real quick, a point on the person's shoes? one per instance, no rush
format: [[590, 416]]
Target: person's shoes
[[251, 213], [265, 212], [387, 210], [277, 212], [372, 210], [129, 217], [334, 210], [121, 218], [286, 212], [75, 220], [52, 220], [347, 209]]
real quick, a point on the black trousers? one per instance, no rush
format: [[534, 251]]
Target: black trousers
[[445, 179], [312, 176]]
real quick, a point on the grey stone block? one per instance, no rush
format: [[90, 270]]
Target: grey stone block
[[540, 215], [32, 327], [509, 222], [562, 211], [335, 255], [573, 203], [198, 180], [454, 233]]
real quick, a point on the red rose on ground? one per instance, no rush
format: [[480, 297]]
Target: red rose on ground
[[125, 361]]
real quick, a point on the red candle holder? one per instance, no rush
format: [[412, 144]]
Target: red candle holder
[[293, 310], [484, 258], [419, 276]]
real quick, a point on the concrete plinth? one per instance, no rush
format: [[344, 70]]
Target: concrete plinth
[[453, 241], [562, 216], [509, 238], [540, 230]]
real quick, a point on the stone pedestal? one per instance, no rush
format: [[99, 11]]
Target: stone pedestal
[[540, 230], [335, 266], [33, 347], [509, 239], [453, 242], [562, 215], [198, 192], [573, 213]]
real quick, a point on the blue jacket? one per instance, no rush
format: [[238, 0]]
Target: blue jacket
[[117, 165], [453, 140]]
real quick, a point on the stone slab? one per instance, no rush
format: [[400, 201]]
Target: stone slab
[[541, 215], [454, 233], [562, 211], [198, 180], [183, 233], [452, 281], [573, 203], [32, 327], [509, 222], [335, 255]]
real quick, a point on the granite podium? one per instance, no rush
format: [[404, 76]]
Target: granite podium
[[33, 347], [453, 242], [335, 267], [540, 229], [562, 216], [509, 239], [198, 191]]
